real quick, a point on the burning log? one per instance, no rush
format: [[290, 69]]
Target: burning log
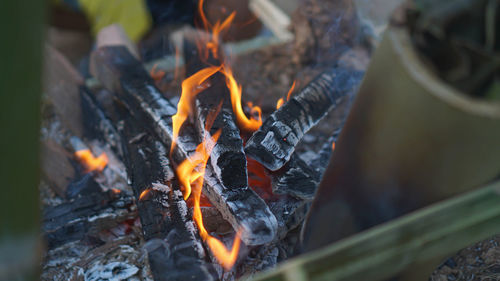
[[274, 143], [300, 179], [242, 208], [175, 251], [228, 157]]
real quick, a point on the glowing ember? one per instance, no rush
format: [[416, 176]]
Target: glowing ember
[[116, 190], [144, 193], [333, 145], [281, 101], [90, 162]]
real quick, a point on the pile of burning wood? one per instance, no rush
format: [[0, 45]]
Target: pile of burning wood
[[217, 190]]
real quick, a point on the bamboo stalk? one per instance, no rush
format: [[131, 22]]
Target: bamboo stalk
[[20, 88], [389, 249]]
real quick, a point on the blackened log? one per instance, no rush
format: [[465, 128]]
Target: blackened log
[[290, 213], [227, 157], [164, 215], [274, 143], [299, 178], [298, 182], [85, 215]]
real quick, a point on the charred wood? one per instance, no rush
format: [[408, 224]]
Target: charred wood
[[290, 213], [85, 215], [175, 251], [228, 157], [274, 143], [298, 181], [299, 178], [242, 208]]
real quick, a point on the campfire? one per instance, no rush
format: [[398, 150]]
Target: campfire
[[217, 189]]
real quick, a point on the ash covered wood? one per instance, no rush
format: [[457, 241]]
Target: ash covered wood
[[300, 178], [244, 209], [227, 158], [274, 143], [85, 215], [174, 247]]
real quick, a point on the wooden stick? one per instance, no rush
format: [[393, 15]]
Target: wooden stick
[[177, 253], [274, 143]]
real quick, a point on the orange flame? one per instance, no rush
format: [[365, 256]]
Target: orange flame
[[244, 123], [190, 173], [144, 193], [191, 86], [281, 101], [215, 30], [333, 145], [90, 162]]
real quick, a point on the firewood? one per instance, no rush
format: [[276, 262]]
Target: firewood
[[85, 215], [123, 74], [274, 143], [299, 178], [242, 208], [166, 222]]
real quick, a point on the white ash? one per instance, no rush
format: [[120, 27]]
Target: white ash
[[161, 187], [114, 271], [108, 214], [165, 163], [181, 204]]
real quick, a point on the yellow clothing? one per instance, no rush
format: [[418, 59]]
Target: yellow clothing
[[132, 15]]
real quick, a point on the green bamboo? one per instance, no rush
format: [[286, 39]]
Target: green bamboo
[[21, 31], [429, 234]]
